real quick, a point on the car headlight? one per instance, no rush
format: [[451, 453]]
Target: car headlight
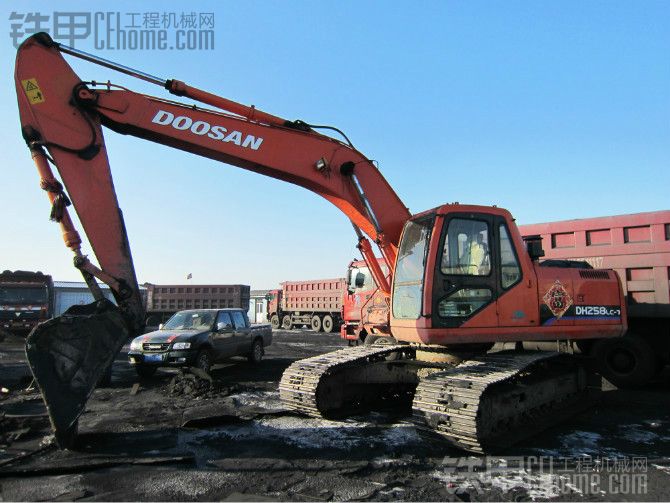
[[181, 345], [136, 345]]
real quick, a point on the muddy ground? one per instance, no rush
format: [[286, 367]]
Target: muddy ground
[[240, 444]]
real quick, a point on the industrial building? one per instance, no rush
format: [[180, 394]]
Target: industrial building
[[258, 306]]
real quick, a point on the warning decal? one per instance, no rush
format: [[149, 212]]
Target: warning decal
[[33, 91]]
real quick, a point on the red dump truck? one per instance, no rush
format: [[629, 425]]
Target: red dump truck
[[26, 299], [637, 247], [315, 303], [365, 309]]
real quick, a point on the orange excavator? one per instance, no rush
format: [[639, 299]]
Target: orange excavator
[[462, 276]]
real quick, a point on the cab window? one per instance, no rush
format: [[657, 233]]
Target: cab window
[[510, 271], [464, 302], [466, 248], [239, 320], [410, 267], [223, 320], [368, 281]]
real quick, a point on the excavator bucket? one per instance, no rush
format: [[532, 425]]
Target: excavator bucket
[[69, 354]]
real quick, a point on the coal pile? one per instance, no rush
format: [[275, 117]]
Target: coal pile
[[194, 383], [189, 384]]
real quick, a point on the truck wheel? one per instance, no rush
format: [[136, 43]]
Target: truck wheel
[[327, 323], [625, 361], [257, 352], [204, 360], [286, 322], [316, 323], [382, 340], [145, 371], [274, 321], [379, 340]]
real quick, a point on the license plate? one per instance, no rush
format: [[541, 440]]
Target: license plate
[[153, 358]]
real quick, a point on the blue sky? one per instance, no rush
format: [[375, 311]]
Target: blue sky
[[553, 110]]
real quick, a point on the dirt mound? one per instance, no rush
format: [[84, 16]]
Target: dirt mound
[[189, 384], [197, 385]]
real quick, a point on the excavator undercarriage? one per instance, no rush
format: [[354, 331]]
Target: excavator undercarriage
[[481, 404]]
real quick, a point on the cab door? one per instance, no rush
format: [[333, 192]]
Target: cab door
[[517, 299], [224, 336], [465, 286], [242, 333]]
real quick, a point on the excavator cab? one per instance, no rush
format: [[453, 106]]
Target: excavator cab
[[464, 275], [453, 264]]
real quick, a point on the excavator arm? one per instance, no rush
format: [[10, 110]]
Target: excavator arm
[[62, 119]]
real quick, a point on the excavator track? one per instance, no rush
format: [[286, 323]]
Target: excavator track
[[329, 385], [493, 401]]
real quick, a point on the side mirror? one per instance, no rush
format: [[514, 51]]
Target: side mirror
[[360, 280], [160, 326]]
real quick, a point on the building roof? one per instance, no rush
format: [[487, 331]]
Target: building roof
[[189, 285], [259, 293]]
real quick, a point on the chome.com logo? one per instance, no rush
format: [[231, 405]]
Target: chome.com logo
[[546, 477], [117, 31]]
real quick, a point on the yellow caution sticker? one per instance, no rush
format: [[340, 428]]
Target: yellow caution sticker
[[33, 91]]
